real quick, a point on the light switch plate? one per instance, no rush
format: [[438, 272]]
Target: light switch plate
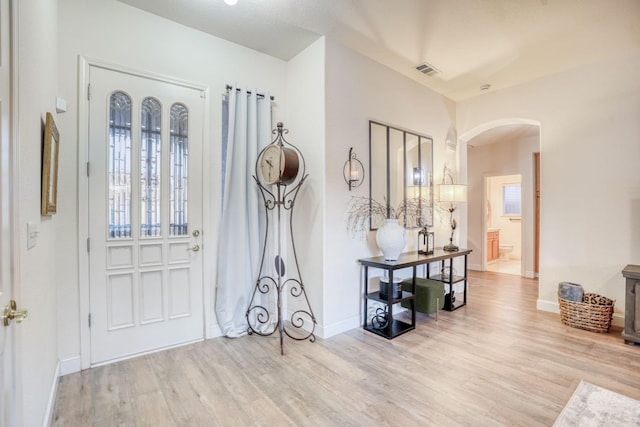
[[33, 231], [61, 105]]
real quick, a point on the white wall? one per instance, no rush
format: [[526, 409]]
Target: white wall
[[358, 90], [306, 124], [37, 287], [117, 33], [502, 158], [590, 188]]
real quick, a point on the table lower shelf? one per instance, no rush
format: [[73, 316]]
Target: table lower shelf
[[397, 328], [456, 305]]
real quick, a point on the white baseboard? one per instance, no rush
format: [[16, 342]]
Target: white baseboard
[[338, 327], [48, 414], [70, 365], [213, 331], [478, 267], [320, 331], [618, 320], [553, 307]]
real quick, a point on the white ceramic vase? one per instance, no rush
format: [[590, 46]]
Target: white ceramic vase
[[391, 239]]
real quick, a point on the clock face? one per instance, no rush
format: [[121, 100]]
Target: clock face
[[270, 164], [279, 165]]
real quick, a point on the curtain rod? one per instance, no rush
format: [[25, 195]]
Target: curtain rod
[[229, 87]]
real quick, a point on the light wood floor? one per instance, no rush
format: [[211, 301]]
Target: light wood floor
[[496, 362]]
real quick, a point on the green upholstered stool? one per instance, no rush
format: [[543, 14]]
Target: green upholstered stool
[[429, 295]]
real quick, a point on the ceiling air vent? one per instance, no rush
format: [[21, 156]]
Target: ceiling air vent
[[427, 69]]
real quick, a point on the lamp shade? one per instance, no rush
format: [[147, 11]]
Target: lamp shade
[[453, 193]]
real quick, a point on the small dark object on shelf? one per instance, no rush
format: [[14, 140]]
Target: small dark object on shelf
[[381, 319], [396, 289], [449, 299]]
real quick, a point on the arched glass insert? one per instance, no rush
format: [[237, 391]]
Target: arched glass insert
[[119, 159], [150, 167], [178, 167]]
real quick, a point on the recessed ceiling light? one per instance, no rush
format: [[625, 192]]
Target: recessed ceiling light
[[485, 87], [231, 2]]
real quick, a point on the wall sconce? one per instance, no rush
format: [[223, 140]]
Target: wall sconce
[[418, 176], [426, 241], [452, 193], [353, 171]]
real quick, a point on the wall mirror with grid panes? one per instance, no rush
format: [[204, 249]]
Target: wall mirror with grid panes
[[401, 173]]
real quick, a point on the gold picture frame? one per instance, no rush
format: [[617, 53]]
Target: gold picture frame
[[50, 152]]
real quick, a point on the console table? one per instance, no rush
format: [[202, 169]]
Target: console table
[[382, 321]]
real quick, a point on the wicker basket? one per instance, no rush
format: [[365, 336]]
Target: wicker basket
[[594, 313]]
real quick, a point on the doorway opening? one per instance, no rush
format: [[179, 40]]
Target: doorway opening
[[498, 148], [503, 200]]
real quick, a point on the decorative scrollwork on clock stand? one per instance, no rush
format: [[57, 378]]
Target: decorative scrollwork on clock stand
[[280, 172]]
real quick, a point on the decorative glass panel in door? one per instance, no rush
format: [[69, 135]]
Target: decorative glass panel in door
[[119, 158], [150, 168], [179, 170]]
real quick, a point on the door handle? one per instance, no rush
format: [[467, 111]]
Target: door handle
[[11, 312], [194, 248]]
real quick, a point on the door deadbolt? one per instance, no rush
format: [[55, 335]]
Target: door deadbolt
[[196, 233], [12, 313]]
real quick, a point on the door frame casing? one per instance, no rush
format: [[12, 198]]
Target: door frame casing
[[10, 220], [84, 65]]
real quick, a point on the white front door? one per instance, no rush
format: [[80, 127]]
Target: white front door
[[145, 214]]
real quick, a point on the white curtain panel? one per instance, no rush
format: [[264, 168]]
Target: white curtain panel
[[241, 229]]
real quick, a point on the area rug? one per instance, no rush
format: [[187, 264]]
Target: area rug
[[592, 406]]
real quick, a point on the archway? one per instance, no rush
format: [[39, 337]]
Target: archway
[[490, 153]]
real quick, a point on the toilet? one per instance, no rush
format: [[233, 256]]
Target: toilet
[[504, 251]]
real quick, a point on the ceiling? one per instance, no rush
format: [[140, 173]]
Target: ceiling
[[470, 42]]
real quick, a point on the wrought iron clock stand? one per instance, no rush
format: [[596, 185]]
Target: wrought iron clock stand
[[279, 199]]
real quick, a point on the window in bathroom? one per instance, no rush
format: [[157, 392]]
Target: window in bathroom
[[511, 200]]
